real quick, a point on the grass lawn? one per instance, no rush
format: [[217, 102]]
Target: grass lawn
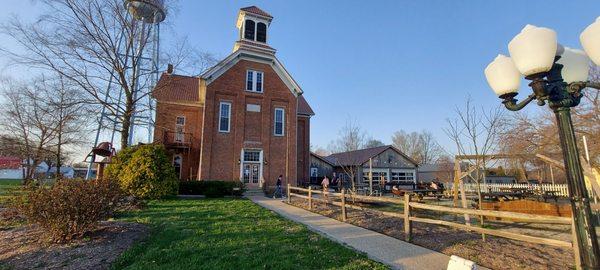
[[8, 189], [231, 234]]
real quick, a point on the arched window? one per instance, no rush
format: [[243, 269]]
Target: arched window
[[177, 163], [261, 32], [249, 29]]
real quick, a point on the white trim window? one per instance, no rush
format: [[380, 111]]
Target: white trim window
[[224, 116], [279, 126], [254, 81], [179, 128]]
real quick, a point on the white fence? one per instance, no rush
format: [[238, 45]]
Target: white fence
[[560, 189]]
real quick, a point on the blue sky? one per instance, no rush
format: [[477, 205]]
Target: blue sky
[[389, 65]]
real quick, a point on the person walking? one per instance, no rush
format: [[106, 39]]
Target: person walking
[[278, 188], [325, 184]]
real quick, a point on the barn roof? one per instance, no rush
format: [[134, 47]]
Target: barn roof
[[10, 163], [359, 157]]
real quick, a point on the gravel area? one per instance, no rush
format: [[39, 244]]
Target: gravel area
[[494, 253], [24, 248]]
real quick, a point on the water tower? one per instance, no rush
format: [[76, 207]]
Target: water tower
[[146, 15]]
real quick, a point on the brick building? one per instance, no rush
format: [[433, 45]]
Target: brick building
[[242, 120]]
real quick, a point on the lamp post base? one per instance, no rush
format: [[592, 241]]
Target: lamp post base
[[582, 215]]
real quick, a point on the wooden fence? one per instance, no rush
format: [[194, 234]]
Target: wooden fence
[[560, 189], [345, 201]]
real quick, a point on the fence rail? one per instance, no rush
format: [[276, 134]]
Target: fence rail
[[560, 189], [409, 217]]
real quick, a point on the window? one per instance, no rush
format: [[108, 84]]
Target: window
[[377, 176], [224, 116], [259, 81], [179, 128], [250, 80], [249, 29], [251, 155], [279, 121], [180, 120], [403, 176], [254, 81], [261, 32]]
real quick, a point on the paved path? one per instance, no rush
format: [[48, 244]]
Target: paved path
[[382, 248]]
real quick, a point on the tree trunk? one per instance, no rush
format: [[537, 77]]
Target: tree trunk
[[126, 125], [58, 153]]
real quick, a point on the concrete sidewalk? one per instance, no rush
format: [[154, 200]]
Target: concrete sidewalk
[[379, 247]]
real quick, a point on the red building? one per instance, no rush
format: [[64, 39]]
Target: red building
[[242, 120]]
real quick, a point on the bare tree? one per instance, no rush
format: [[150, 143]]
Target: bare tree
[[40, 118], [445, 168], [373, 143], [320, 151], [475, 131], [86, 41], [26, 122], [351, 138], [529, 134], [420, 146], [70, 115]]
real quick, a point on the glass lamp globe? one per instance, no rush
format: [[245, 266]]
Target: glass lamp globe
[[590, 41], [502, 76], [533, 49], [576, 65]]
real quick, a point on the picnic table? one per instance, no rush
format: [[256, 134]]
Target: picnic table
[[502, 196], [508, 194]]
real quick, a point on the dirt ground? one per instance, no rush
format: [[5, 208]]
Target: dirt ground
[[494, 253], [23, 247]]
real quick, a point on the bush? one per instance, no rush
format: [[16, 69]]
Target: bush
[[144, 171], [70, 208], [212, 189]]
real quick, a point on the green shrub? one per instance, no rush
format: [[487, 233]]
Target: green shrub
[[144, 171], [69, 208], [212, 189]]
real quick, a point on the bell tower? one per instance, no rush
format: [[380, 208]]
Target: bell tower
[[253, 25]]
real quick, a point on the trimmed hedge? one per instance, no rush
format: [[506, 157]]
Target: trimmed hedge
[[212, 189]]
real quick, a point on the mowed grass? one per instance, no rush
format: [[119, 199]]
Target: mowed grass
[[9, 189], [231, 234]]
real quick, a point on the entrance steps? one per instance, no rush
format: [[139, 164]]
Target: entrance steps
[[254, 192]]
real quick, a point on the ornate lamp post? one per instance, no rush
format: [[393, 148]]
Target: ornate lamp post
[[557, 75]]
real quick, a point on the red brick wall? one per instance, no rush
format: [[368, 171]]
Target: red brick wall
[[303, 150], [221, 154], [165, 121]]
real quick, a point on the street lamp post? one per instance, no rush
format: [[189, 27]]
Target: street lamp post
[[558, 75]]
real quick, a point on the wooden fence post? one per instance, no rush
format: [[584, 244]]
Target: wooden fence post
[[289, 198], [344, 216], [309, 198], [407, 222]]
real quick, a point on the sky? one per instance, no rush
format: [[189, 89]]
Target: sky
[[388, 65]]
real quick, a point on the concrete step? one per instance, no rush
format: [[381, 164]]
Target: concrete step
[[254, 192]]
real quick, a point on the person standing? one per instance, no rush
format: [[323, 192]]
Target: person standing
[[278, 187], [325, 184]]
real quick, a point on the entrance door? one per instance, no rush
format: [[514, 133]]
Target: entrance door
[[177, 162], [251, 167]]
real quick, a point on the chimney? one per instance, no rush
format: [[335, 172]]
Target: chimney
[[170, 69]]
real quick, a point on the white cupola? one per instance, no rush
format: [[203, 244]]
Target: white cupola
[[253, 24]]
